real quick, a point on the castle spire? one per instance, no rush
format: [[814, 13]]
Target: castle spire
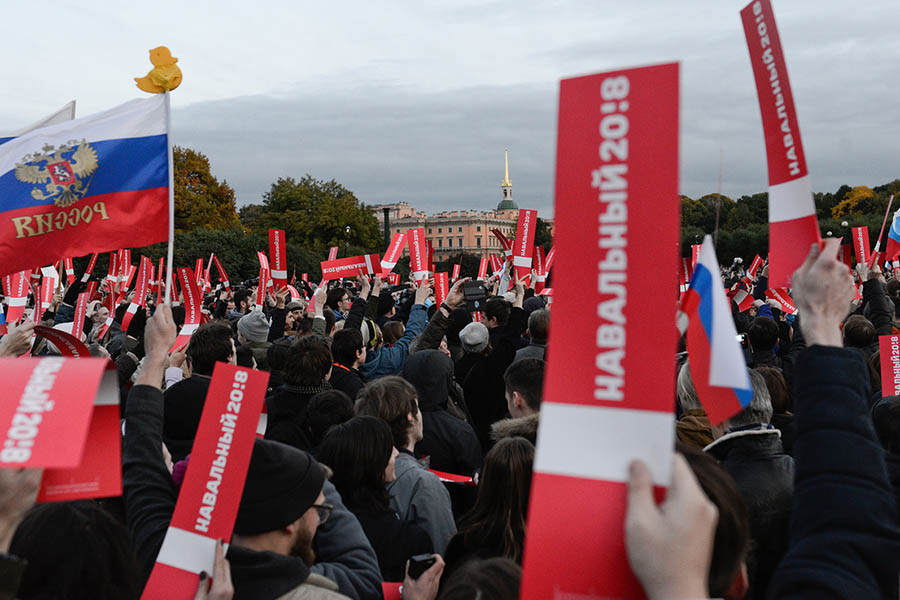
[[507, 202], [506, 181]]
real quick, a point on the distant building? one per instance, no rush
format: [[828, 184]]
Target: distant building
[[451, 232]]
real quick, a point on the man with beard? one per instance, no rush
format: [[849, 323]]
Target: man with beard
[[285, 503]]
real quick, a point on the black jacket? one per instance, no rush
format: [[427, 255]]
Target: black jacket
[[287, 415], [184, 403], [484, 387], [764, 475], [348, 380], [449, 441], [844, 539], [394, 541]]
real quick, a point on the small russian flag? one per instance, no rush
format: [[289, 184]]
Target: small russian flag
[[717, 364], [893, 242]]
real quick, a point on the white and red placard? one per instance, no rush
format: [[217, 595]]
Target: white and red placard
[[755, 265], [861, 244], [66, 343], [49, 283], [504, 242], [793, 226], [223, 277], [441, 287], [332, 253], [456, 269], [209, 264], [393, 278], [48, 409], [782, 297], [523, 248], [617, 219], [69, 266], [112, 272], [140, 292], [430, 261], [277, 257], [198, 273], [496, 264], [192, 305], [90, 267], [419, 262], [15, 286], [540, 268], [695, 254], [389, 261], [339, 268], [211, 492], [482, 267], [889, 346], [743, 299], [80, 313]]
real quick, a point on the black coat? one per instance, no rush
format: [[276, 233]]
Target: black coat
[[347, 380], [449, 441], [393, 540], [764, 475], [287, 415], [184, 403]]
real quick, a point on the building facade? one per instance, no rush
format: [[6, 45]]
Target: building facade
[[452, 232]]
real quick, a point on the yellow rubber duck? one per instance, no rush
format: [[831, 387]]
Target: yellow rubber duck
[[165, 74]]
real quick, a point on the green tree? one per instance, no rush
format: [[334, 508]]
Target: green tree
[[201, 202], [542, 236], [315, 214]]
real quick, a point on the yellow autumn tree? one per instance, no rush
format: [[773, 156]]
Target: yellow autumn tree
[[849, 206]]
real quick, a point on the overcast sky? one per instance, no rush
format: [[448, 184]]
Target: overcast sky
[[416, 101]]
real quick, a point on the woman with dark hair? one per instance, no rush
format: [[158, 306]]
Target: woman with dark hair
[[492, 579], [90, 555], [361, 453], [496, 524]]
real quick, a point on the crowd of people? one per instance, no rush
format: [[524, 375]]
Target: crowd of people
[[376, 392]]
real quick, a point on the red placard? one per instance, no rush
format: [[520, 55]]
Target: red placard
[[48, 409], [755, 265], [524, 245], [455, 274], [277, 259], [496, 264], [70, 270], [781, 295], [222, 275], [889, 346], [66, 344], [90, 267], [504, 242], [393, 252], [80, 314], [695, 254], [198, 272], [482, 268], [140, 292], [15, 286], [210, 495], [49, 283], [861, 244], [418, 253], [350, 267], [332, 253], [441, 287], [192, 305], [793, 226], [603, 406], [548, 261]]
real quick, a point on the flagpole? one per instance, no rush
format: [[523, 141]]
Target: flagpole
[[880, 233], [170, 252]]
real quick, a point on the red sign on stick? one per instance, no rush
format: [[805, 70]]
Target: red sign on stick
[[603, 405], [782, 297], [15, 286], [756, 264], [277, 260], [418, 253], [456, 269], [889, 346], [393, 252], [90, 268], [192, 306], [793, 226], [482, 268], [861, 244], [350, 267], [441, 287], [208, 502]]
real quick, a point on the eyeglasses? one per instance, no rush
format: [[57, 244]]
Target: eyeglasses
[[324, 511]]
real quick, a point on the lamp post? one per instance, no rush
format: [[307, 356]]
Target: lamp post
[[387, 227], [347, 241]]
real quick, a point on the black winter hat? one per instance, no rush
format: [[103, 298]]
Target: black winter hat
[[282, 483]]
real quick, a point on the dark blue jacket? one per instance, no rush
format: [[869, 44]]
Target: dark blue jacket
[[844, 537]]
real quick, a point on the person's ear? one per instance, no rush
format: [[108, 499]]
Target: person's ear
[[517, 400]]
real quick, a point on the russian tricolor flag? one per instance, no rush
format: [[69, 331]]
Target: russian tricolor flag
[[893, 242], [92, 184], [717, 364]]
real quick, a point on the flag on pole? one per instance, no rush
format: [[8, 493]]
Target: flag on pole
[[893, 243], [717, 364], [89, 185], [66, 113]]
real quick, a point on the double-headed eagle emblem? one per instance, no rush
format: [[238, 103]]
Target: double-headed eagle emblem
[[65, 172]]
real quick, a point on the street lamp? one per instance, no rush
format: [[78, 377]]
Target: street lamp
[[347, 241]]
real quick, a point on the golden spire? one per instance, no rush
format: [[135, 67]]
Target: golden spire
[[506, 181]]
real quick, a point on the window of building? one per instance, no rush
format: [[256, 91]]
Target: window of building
[[439, 230], [440, 243], [460, 230], [478, 228], [429, 230], [460, 242], [478, 242], [449, 242]]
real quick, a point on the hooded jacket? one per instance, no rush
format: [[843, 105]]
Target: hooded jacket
[[287, 414], [418, 496], [388, 360], [764, 475], [524, 427], [449, 441], [269, 575]]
